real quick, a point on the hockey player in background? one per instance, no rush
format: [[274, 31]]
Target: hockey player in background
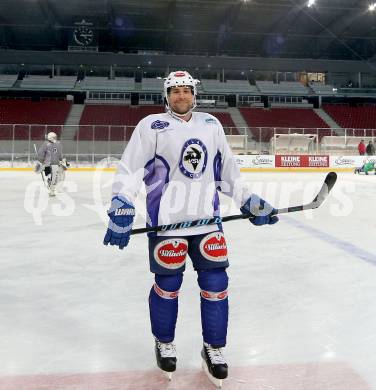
[[184, 160], [366, 167], [51, 162]]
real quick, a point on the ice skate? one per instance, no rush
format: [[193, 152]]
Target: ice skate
[[214, 364], [166, 357], [52, 191]]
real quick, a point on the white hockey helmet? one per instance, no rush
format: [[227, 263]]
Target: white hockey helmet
[[51, 136], [180, 78]]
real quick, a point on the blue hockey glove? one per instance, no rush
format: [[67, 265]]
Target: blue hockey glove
[[262, 211], [119, 229]]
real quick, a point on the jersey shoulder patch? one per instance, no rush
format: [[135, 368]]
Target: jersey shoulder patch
[[211, 121], [158, 124], [208, 119]]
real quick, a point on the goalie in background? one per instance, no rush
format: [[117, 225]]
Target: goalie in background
[[51, 162]]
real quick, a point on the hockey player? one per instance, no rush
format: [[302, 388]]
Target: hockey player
[[184, 159], [50, 159], [366, 167]]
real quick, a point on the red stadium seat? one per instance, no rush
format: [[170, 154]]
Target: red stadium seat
[[299, 120], [112, 122], [361, 117], [32, 119]]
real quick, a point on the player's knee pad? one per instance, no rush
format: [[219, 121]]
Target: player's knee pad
[[213, 284], [163, 305]]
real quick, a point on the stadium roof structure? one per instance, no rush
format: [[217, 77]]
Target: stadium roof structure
[[329, 29]]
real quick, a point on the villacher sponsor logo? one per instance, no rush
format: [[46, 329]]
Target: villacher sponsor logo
[[213, 247], [171, 253]]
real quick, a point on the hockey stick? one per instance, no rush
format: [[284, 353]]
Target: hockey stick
[[41, 173], [327, 186]]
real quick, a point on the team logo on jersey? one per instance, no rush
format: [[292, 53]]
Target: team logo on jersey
[[171, 253], [193, 158], [213, 247], [210, 121], [54, 149], [159, 125]]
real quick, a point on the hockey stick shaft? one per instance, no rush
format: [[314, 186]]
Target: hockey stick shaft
[[36, 155], [327, 186]]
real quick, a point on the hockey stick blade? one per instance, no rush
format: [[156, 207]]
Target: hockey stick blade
[[327, 186]]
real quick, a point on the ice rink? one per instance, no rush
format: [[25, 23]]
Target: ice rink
[[74, 313]]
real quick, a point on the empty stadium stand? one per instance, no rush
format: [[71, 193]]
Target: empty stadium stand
[[120, 84], [112, 122], [284, 87], [116, 122], [322, 89], [226, 121], [362, 119], [32, 119], [152, 85], [7, 80], [283, 121], [230, 86], [48, 83]]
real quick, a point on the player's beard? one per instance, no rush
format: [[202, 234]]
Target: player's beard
[[182, 108]]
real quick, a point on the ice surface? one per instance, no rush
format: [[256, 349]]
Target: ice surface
[[74, 313]]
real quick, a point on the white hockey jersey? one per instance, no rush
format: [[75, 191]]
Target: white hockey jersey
[[184, 165]]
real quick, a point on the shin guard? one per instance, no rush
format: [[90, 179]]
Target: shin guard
[[163, 306], [214, 306]]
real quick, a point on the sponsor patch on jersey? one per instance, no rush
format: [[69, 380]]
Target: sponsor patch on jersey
[[210, 121], [159, 124], [213, 247], [193, 158], [171, 253]]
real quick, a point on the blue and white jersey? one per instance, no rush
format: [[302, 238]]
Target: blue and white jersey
[[183, 165]]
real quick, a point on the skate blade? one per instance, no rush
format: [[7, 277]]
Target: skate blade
[[167, 374], [216, 382]]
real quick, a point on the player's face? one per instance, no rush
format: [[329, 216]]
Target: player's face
[[180, 99]]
